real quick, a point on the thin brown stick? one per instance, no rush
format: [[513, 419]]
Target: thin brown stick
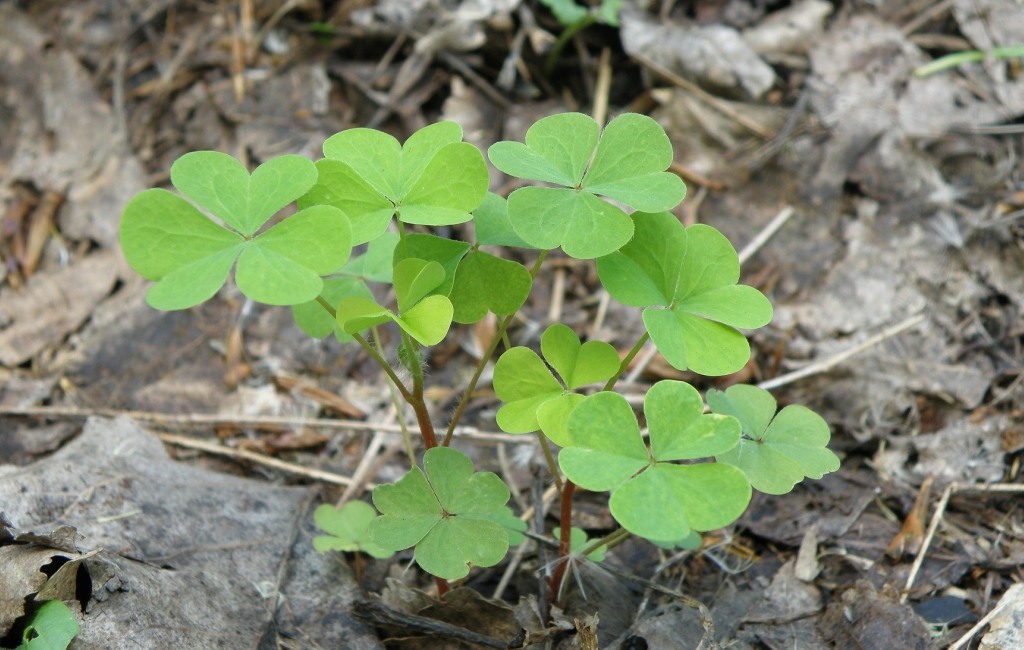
[[714, 102], [267, 461], [828, 364], [206, 420], [766, 233], [963, 641], [940, 510]]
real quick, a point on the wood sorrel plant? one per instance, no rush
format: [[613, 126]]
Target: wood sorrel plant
[[694, 472]]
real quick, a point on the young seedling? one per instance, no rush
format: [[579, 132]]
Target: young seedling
[[575, 18], [609, 202]]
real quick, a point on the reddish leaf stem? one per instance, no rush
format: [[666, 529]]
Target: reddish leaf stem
[[564, 537]]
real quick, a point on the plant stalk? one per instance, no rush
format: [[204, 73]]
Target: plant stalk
[[550, 458], [626, 361], [564, 537], [485, 359], [415, 398], [611, 540], [382, 362], [563, 40]]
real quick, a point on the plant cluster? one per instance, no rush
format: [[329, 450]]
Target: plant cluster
[[601, 194]]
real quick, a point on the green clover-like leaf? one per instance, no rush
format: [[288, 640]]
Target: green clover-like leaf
[[578, 365], [376, 264], [435, 179], [513, 525], [686, 279], [167, 239], [52, 627], [486, 283], [446, 252], [626, 163], [346, 529], [492, 226], [777, 449], [414, 279], [427, 322], [222, 185], [651, 496], [315, 321], [445, 510], [523, 382], [283, 265], [534, 398]]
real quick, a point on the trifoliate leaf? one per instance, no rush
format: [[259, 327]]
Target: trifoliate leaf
[[626, 162], [686, 280], [347, 529], [427, 321], [435, 179], [167, 239], [283, 265], [534, 398], [523, 382], [777, 449], [578, 365], [445, 510], [219, 183], [651, 496]]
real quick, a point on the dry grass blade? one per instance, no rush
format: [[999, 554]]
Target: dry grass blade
[[266, 461]]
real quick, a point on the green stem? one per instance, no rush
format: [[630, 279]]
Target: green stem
[[550, 458], [326, 305], [626, 361], [969, 56], [399, 403], [485, 359], [563, 40], [564, 538], [608, 541], [415, 398], [382, 362]]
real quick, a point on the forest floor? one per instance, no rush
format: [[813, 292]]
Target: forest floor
[[187, 450]]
